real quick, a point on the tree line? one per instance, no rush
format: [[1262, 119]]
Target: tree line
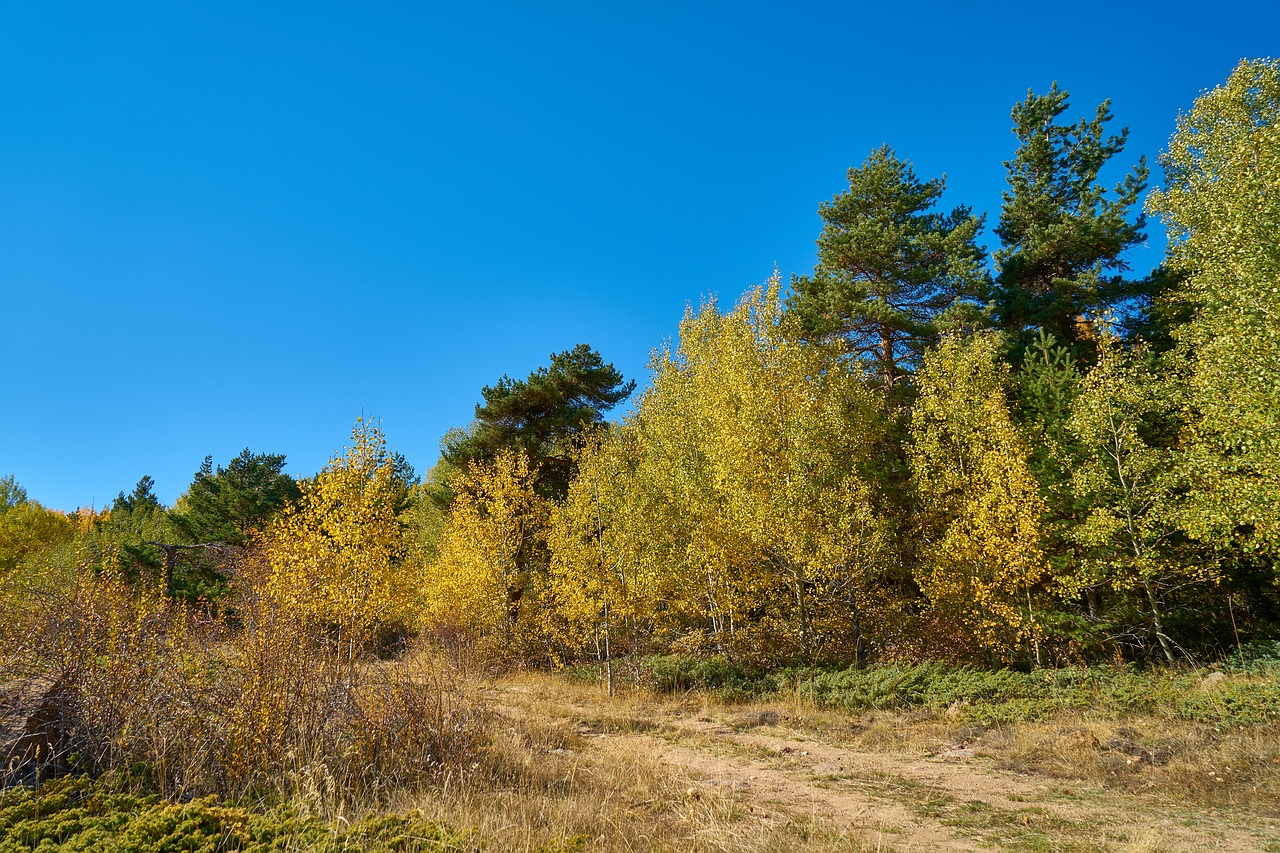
[[921, 450]]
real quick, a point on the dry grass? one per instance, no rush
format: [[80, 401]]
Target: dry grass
[[616, 774], [541, 762], [1166, 759], [276, 712], [1148, 754], [558, 778]]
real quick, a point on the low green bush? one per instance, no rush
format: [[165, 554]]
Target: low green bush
[[730, 681], [1249, 695], [1232, 704], [75, 814]]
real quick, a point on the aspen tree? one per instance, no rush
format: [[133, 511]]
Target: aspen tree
[[979, 503]]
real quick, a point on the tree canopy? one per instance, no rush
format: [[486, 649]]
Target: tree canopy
[[1063, 235], [891, 269], [228, 504], [545, 416], [874, 466], [1221, 202]]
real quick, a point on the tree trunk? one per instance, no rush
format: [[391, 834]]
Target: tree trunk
[[888, 365], [1157, 623]]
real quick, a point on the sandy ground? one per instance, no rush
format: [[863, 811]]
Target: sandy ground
[[951, 800]]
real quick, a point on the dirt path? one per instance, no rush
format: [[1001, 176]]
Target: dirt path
[[951, 801]]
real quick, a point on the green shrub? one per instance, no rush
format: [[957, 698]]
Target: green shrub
[[729, 681], [76, 814], [684, 672], [1232, 704], [1251, 696], [929, 685]]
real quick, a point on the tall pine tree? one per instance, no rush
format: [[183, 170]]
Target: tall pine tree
[[1063, 236], [546, 417], [891, 269]]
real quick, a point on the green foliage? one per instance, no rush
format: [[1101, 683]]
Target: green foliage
[[684, 672], [1234, 704], [230, 504], [731, 681], [545, 416], [891, 271], [987, 696], [931, 685], [427, 514], [76, 814], [1062, 236], [11, 494], [1047, 383], [1258, 658], [1222, 208], [1126, 484], [126, 529]]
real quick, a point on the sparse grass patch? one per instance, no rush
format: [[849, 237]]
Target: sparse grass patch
[[1030, 829], [1150, 755], [1206, 736], [600, 778]]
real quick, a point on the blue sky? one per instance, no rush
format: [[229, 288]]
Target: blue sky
[[244, 224]]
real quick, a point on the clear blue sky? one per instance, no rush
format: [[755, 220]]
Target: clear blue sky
[[243, 224]]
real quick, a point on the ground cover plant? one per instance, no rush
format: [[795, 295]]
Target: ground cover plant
[[77, 814]]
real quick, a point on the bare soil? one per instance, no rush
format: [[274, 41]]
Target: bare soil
[[780, 768]]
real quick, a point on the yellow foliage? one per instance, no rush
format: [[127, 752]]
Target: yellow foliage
[[610, 578], [28, 527], [979, 502], [733, 504], [491, 558], [335, 556]]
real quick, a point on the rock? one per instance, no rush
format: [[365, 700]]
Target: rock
[[956, 752], [34, 742], [1212, 681]]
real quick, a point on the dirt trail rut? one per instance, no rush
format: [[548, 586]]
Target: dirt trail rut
[[951, 801]]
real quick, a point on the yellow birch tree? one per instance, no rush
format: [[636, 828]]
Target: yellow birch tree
[[490, 567], [335, 556], [731, 511], [979, 503]]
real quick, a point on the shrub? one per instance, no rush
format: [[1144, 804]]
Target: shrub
[[1249, 695], [75, 814], [278, 707]]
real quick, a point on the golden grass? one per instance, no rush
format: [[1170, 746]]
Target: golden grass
[[570, 779], [572, 763]]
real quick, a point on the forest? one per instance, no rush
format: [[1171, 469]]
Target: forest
[[922, 453]]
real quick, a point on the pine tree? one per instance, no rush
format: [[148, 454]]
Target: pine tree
[[891, 270], [545, 417], [228, 504], [1062, 236]]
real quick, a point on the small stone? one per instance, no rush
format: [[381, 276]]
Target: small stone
[[1212, 681]]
